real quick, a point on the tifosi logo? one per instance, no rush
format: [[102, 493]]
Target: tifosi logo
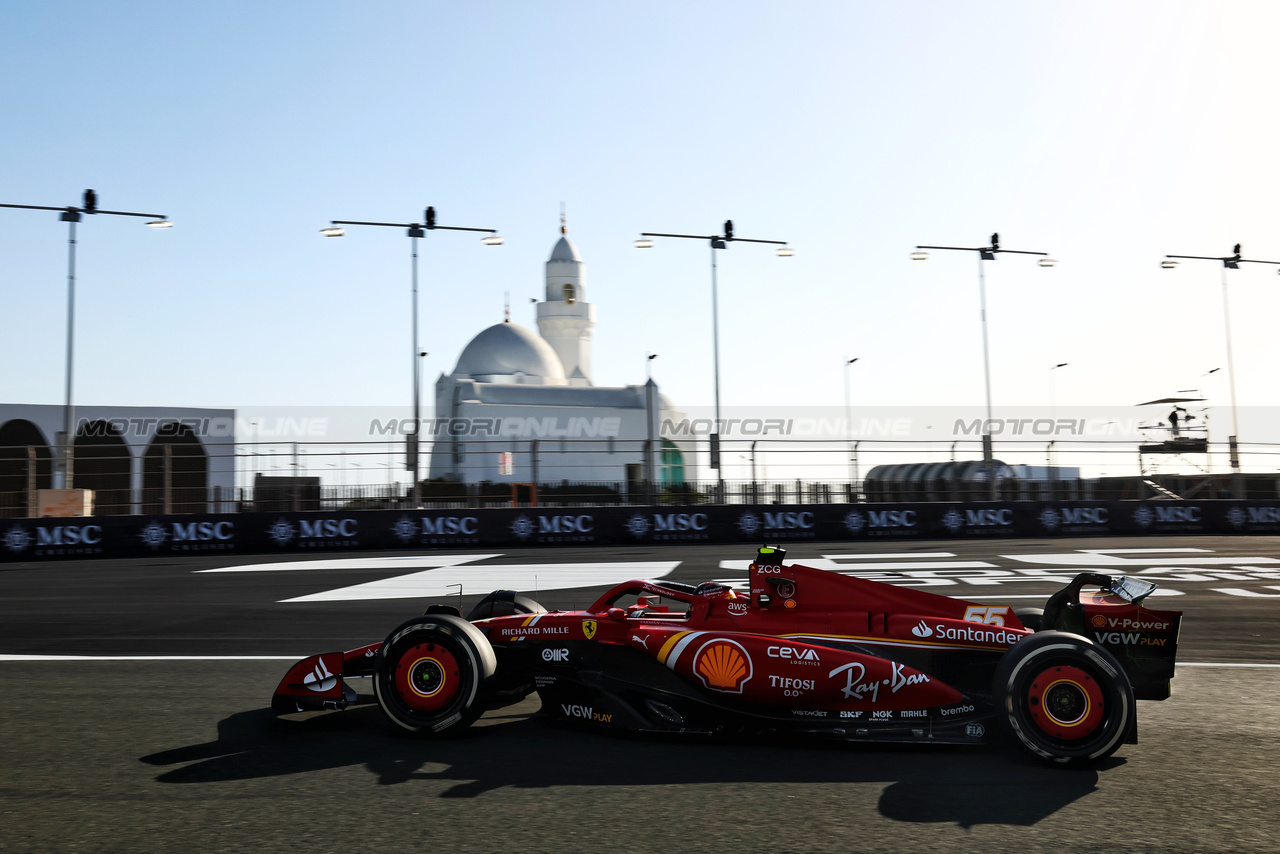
[[320, 679], [555, 655], [922, 631]]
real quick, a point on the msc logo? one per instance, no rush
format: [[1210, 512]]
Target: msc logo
[[203, 532], [1178, 514], [1083, 515], [69, 535], [892, 518], [788, 520], [325, 528], [980, 518], [679, 521], [565, 524], [444, 525], [1264, 515]]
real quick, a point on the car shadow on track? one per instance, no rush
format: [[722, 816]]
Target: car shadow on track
[[509, 748]]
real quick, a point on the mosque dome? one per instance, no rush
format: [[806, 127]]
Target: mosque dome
[[565, 251], [510, 353]]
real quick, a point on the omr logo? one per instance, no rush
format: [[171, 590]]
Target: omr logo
[[922, 631]]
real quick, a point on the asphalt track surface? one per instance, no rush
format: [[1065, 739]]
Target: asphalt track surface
[[136, 720]]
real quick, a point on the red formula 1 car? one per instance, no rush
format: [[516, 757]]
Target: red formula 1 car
[[807, 651]]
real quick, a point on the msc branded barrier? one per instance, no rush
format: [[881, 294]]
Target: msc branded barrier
[[301, 532]]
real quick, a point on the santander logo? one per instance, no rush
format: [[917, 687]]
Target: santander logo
[[922, 631]]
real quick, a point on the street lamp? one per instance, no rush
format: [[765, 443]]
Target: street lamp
[[71, 216], [985, 253], [717, 241], [848, 427], [414, 231], [1229, 262]]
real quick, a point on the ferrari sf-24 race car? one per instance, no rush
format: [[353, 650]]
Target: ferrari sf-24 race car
[[806, 651]]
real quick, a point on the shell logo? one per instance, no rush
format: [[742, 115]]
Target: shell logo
[[1099, 620], [723, 665]]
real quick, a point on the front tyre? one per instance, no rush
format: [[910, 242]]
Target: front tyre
[[433, 673], [1063, 699]]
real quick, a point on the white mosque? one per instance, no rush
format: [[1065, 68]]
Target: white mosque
[[521, 407]]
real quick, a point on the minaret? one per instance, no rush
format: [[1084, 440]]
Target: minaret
[[565, 318]]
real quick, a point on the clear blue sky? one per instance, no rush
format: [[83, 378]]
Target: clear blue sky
[[1107, 134]]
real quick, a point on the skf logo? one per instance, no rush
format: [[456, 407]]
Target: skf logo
[[589, 629], [723, 665]]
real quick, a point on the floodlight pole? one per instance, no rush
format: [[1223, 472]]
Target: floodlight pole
[[717, 241], [71, 216], [1229, 262], [985, 253], [414, 231]]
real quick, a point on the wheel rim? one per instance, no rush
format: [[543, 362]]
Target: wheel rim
[[1066, 703], [427, 677]]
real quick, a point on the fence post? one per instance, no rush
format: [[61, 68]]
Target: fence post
[[168, 478], [32, 508]]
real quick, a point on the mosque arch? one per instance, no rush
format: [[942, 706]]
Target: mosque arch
[[23, 452], [187, 461], [103, 463]]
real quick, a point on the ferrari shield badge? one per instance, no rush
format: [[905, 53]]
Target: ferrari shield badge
[[589, 628]]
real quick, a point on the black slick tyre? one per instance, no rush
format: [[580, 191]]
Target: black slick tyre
[[1063, 699], [433, 674]]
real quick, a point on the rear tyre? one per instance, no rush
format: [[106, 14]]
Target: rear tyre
[[1031, 618], [433, 674], [504, 603], [513, 684], [1063, 699]]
